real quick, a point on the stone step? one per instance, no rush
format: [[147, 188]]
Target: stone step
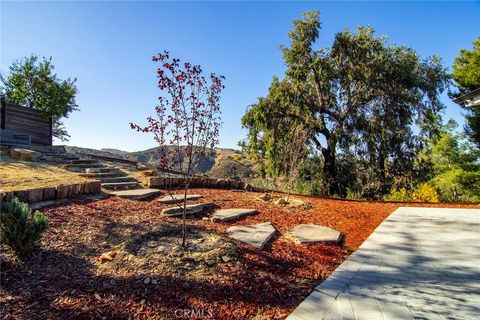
[[191, 209], [116, 179], [232, 214], [178, 198], [113, 174], [121, 185], [255, 234], [103, 170], [136, 194]]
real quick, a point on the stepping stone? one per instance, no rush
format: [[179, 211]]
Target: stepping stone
[[136, 194], [255, 234], [231, 214], [175, 198], [308, 233], [191, 209]]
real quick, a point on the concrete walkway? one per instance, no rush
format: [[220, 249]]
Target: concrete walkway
[[420, 263]]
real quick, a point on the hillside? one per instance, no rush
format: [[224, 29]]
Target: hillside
[[219, 163]]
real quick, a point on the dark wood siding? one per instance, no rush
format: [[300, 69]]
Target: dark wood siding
[[23, 120]]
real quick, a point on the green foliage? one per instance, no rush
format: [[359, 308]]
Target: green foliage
[[455, 166], [20, 228], [353, 195], [466, 73], [466, 68], [425, 193], [361, 96], [32, 82], [400, 194]]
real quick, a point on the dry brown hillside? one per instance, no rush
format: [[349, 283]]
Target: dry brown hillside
[[220, 162]]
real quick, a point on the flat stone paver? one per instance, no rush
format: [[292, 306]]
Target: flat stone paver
[[255, 234], [308, 233], [175, 198], [137, 194], [420, 263], [231, 214], [191, 209]]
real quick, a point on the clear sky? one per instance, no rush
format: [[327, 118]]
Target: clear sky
[[108, 47]]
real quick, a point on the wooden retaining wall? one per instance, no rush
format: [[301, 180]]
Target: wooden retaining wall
[[22, 120], [53, 193], [174, 183]]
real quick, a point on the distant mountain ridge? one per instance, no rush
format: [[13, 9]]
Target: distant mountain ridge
[[219, 162]]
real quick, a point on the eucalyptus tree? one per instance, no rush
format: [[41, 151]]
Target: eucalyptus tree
[[361, 95]]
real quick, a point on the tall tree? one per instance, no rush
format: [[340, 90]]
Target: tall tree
[[32, 82], [342, 95], [455, 165], [466, 73], [466, 68]]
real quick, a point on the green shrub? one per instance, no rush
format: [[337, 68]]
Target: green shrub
[[397, 195], [19, 228], [237, 158], [353, 195], [425, 193]]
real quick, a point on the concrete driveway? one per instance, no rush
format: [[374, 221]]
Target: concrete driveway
[[420, 263]]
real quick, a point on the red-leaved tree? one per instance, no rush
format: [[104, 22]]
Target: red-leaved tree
[[187, 118]]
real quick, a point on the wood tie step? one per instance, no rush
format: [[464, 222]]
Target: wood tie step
[[113, 174], [84, 161], [116, 179], [83, 165], [121, 185]]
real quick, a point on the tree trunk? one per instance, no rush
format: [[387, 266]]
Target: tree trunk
[[383, 172], [330, 171], [184, 215]]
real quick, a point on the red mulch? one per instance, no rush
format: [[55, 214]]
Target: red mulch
[[62, 280]]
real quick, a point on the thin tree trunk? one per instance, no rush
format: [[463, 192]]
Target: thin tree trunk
[[184, 215]]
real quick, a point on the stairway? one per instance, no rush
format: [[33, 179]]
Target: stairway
[[112, 178]]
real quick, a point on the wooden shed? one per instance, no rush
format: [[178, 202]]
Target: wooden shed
[[24, 125]]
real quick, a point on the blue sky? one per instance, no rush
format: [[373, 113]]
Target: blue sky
[[108, 47]]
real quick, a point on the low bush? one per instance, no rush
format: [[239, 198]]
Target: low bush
[[20, 229], [398, 195], [425, 193]]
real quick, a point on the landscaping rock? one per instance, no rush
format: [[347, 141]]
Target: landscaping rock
[[25, 154], [191, 209], [264, 197], [237, 190], [231, 214], [146, 281], [176, 198], [255, 234], [281, 202], [136, 194], [308, 233]]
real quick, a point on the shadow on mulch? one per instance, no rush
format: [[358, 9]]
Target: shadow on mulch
[[52, 284]]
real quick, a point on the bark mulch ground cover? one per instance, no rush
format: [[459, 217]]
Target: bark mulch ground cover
[[146, 275]]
